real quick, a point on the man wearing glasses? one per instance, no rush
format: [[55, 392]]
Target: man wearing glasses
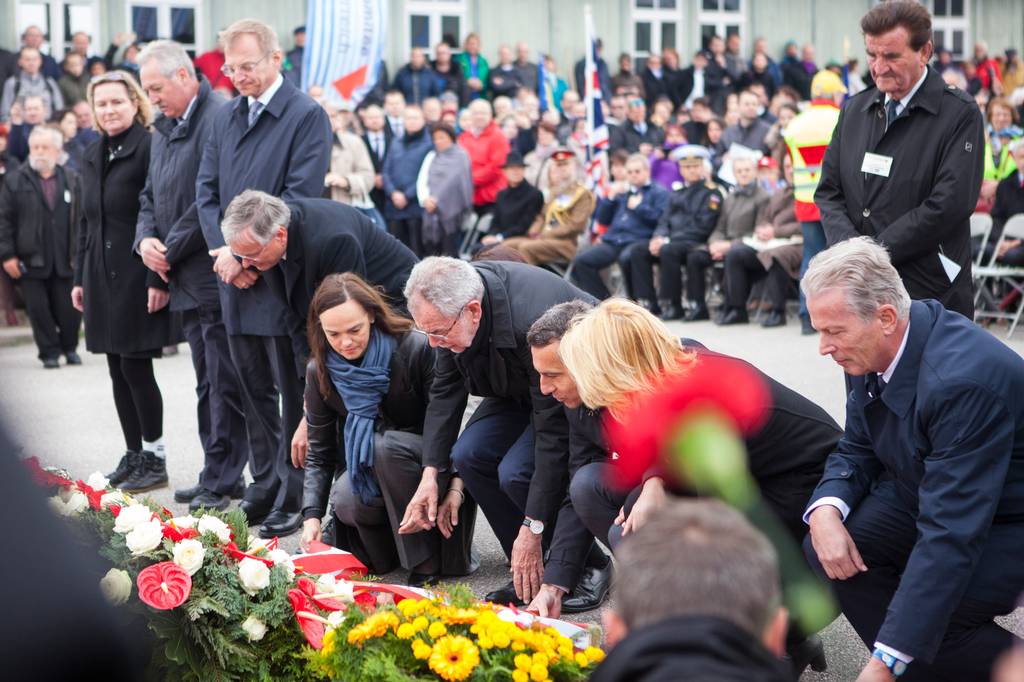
[[275, 139], [512, 455]]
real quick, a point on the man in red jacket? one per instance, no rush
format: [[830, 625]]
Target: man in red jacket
[[487, 148]]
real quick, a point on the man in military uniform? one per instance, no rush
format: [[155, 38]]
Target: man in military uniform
[[689, 218], [905, 163]]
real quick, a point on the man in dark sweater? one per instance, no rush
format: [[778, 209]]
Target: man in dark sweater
[[516, 206]]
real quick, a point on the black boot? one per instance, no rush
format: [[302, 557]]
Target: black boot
[[734, 316], [125, 468], [774, 318], [151, 473], [698, 312], [810, 652], [673, 311]]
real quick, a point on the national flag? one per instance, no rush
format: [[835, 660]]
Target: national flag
[[544, 90], [344, 43], [596, 162]]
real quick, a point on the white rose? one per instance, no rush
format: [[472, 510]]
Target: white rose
[[211, 524], [254, 628], [254, 575], [189, 555], [326, 583], [335, 618], [282, 558], [116, 497], [256, 544], [185, 521], [97, 481], [116, 586], [145, 537], [75, 504], [131, 516], [345, 591]]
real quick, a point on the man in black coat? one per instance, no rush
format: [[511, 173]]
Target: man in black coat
[[276, 139], [170, 240], [636, 131], [377, 136], [905, 162], [38, 215], [512, 452], [313, 238]]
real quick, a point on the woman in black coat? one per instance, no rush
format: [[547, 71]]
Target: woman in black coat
[[367, 390], [124, 319]]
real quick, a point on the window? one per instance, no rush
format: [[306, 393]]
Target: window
[[177, 20], [60, 21], [655, 27], [720, 17], [428, 22], [950, 27]]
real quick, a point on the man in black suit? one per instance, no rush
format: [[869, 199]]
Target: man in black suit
[[636, 134], [377, 136], [918, 520], [274, 138], [313, 238]]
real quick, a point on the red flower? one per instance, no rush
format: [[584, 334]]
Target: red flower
[[91, 493], [365, 599], [175, 534], [308, 588], [43, 478], [309, 620], [643, 433], [164, 586]]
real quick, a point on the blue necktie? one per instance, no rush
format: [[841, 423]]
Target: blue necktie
[[254, 112], [890, 112]]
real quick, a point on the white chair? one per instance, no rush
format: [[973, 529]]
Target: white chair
[[1010, 275], [981, 226]]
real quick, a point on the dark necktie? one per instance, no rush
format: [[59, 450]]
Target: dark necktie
[[874, 384], [890, 112], [254, 112]]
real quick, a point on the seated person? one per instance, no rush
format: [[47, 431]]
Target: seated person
[[683, 230], [1009, 202], [367, 391], [637, 133], [665, 624], [631, 216], [778, 265], [664, 167], [917, 519], [736, 221], [516, 206], [553, 236]]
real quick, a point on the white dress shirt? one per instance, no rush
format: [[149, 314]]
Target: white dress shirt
[[269, 93], [902, 106]]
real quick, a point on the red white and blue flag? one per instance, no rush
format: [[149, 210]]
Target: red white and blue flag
[[596, 162], [344, 43]]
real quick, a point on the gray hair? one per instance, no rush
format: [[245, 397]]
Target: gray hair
[[55, 135], [555, 322], [259, 212], [446, 283], [265, 35], [169, 56], [697, 558], [641, 159], [862, 268]]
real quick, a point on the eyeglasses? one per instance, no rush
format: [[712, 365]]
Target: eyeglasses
[[443, 336], [248, 67]]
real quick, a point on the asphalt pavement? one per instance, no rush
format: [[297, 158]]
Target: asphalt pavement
[[67, 418]]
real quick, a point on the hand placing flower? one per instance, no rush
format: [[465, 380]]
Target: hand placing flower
[[189, 554], [116, 586], [254, 628], [211, 524], [254, 575], [145, 537], [132, 516]]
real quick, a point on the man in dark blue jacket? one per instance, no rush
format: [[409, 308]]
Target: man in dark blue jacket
[[401, 168], [171, 243], [631, 217], [274, 138], [416, 80], [918, 520]]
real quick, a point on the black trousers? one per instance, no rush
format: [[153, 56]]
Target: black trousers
[[409, 232], [55, 322], [672, 257], [588, 264], [884, 535], [268, 373], [743, 270], [140, 406], [220, 409]]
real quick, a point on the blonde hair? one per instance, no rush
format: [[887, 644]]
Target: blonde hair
[[618, 350], [144, 113], [265, 36]]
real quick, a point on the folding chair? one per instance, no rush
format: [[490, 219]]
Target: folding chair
[[981, 230], [1008, 275], [478, 228]]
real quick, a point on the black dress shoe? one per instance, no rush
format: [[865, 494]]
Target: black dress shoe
[[238, 492], [734, 316], [73, 358], [125, 468], [697, 314], [280, 523], [806, 328], [650, 306], [810, 652], [422, 579], [51, 363], [590, 591], [188, 494], [503, 596], [254, 512], [775, 318], [151, 473], [209, 500], [673, 312]]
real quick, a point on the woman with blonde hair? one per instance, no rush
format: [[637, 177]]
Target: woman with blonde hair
[[124, 303]]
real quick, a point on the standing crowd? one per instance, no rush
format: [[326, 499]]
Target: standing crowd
[[347, 278]]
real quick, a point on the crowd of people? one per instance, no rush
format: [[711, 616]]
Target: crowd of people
[[347, 277]]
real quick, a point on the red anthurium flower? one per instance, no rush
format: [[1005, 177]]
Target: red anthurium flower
[[310, 622], [308, 588], [643, 433], [231, 549], [91, 493], [164, 586]]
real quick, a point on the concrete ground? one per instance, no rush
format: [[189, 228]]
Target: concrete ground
[[67, 418]]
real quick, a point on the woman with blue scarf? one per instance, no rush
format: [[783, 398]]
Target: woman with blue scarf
[[367, 390]]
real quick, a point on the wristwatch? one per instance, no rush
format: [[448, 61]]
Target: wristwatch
[[536, 527], [895, 665]]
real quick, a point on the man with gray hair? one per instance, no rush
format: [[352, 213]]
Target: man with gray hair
[[922, 501], [38, 214], [697, 597], [512, 453], [170, 240]]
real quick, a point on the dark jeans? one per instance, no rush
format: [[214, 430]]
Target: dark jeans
[[220, 409], [885, 535], [672, 258], [587, 267], [494, 456], [743, 269], [55, 322], [408, 231], [140, 407], [814, 243]]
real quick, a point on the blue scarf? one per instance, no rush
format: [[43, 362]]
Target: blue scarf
[[361, 389]]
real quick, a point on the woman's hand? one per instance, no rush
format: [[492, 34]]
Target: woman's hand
[[448, 513], [310, 533]]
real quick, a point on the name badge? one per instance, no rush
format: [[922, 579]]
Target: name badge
[[67, 197], [876, 164]]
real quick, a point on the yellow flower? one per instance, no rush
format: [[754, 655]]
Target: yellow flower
[[459, 616], [582, 660], [454, 658], [518, 646], [501, 640], [485, 643], [329, 637], [523, 662], [593, 654], [405, 631], [420, 623], [539, 673], [437, 630], [520, 676], [540, 659], [421, 650]]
